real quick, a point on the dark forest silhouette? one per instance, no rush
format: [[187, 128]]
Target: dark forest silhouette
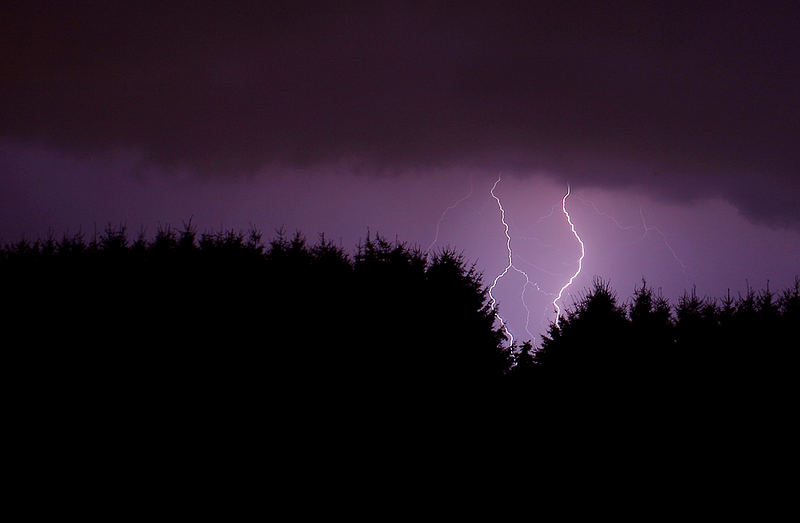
[[701, 353], [223, 315]]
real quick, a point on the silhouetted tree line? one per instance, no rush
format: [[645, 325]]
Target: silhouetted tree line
[[226, 316], [707, 355]]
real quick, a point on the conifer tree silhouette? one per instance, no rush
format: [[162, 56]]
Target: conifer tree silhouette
[[589, 346], [652, 336]]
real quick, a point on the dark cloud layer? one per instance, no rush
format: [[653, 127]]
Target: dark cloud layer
[[682, 99]]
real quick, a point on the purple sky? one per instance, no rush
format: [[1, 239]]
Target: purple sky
[[336, 117]]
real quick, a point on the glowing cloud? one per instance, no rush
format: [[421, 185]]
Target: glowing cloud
[[645, 228]]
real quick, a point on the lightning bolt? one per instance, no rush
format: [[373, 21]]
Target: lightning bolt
[[558, 298], [493, 304], [508, 267], [580, 260], [448, 209]]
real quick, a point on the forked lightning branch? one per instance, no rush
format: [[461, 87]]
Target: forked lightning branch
[[510, 265]]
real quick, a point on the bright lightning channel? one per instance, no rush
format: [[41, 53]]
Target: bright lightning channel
[[510, 265], [580, 260]]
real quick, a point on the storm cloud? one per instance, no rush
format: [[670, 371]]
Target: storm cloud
[[681, 99]]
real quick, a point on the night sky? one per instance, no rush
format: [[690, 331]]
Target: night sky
[[676, 125]]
